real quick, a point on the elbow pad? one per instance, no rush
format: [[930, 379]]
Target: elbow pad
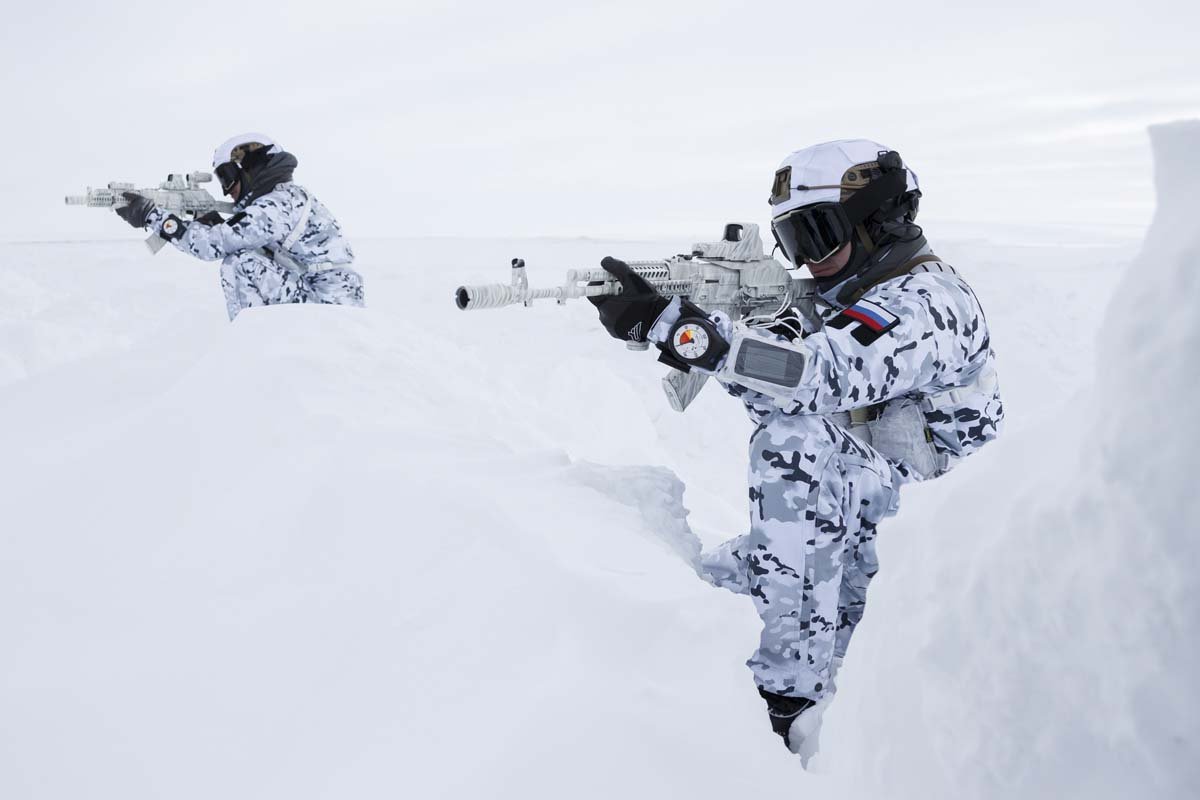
[[764, 364]]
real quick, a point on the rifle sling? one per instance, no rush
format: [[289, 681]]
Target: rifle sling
[[903, 269]]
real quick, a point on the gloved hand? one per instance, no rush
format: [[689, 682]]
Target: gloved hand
[[629, 315], [210, 218], [783, 711], [136, 210]]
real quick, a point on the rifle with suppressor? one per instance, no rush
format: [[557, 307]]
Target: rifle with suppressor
[[179, 194], [733, 275]]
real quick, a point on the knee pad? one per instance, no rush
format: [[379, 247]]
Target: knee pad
[[802, 434]]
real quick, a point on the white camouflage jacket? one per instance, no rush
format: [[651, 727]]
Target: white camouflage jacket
[[915, 347], [268, 222]]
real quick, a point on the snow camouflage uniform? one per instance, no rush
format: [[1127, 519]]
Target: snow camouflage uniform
[[819, 488], [263, 260]]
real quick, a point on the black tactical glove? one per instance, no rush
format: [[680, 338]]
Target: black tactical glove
[[210, 218], [136, 210], [783, 711], [629, 315]]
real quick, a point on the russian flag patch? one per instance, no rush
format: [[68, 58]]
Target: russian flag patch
[[870, 321]]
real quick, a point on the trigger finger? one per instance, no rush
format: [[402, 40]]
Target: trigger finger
[[631, 282], [615, 267]]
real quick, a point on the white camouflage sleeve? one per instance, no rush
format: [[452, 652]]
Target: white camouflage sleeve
[[263, 222], [904, 336]]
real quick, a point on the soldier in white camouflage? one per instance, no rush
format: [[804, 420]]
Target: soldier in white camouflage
[[281, 245], [890, 378]]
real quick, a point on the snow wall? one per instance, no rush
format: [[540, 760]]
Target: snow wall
[[1043, 630], [1140, 495]]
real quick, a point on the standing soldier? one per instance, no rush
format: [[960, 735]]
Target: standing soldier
[[280, 246], [892, 381]]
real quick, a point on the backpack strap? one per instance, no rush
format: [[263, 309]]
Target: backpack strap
[[903, 269]]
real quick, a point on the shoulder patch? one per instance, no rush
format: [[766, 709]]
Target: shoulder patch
[[870, 321]]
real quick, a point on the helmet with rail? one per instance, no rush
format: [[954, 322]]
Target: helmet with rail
[[237, 156], [849, 191]]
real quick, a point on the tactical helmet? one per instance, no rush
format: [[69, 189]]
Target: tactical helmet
[[846, 191], [234, 156]]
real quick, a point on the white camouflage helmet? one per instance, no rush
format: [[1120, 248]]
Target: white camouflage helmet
[[825, 197], [828, 172], [229, 156], [234, 148]]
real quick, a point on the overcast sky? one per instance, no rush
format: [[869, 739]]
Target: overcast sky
[[628, 119]]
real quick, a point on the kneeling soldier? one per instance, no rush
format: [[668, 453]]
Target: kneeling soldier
[[280, 246]]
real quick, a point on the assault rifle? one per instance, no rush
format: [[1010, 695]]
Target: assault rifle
[[733, 275], [178, 194]]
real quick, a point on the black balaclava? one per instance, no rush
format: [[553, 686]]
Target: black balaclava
[[263, 171], [894, 240]]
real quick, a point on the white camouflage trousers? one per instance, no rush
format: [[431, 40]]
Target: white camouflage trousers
[[817, 494], [252, 279]]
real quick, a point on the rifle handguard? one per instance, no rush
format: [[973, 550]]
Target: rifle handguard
[[733, 276]]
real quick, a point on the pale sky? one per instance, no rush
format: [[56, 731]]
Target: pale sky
[[627, 119]]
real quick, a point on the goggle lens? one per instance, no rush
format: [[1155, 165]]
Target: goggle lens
[[813, 233], [228, 174]]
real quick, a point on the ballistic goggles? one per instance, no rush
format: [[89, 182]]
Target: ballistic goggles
[[810, 234], [240, 157], [228, 174]]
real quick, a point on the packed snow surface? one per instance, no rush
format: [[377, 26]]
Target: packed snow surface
[[410, 551]]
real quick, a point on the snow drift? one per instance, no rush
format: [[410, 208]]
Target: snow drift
[[325, 552]]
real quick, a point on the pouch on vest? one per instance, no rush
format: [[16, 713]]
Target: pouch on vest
[[950, 429], [899, 433]]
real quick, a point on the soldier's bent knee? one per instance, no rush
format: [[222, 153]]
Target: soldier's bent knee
[[807, 434]]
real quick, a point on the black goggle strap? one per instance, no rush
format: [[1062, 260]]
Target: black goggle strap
[[778, 242], [865, 238], [865, 201]]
